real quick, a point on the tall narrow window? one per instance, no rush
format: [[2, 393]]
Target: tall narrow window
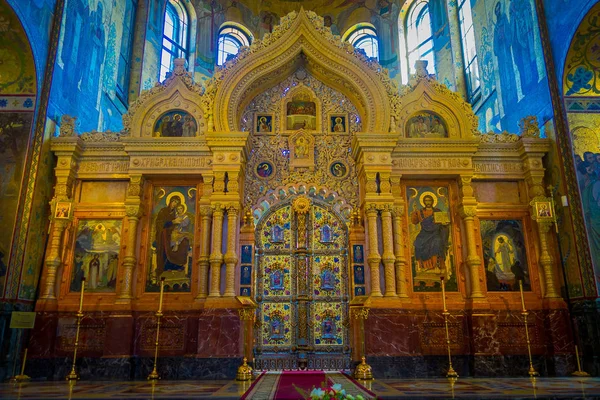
[[419, 37], [125, 52], [175, 36], [231, 38], [364, 36], [465, 20]]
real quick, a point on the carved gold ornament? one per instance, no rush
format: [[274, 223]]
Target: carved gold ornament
[[301, 205]]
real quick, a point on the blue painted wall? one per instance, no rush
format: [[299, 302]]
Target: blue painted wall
[[513, 76], [91, 52]]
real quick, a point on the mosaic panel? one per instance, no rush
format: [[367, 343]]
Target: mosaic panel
[[328, 324], [430, 228], [275, 233], [276, 324], [276, 280], [504, 255], [96, 255], [327, 276], [171, 238], [328, 232]]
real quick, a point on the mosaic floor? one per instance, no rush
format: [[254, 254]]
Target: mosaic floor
[[467, 388]]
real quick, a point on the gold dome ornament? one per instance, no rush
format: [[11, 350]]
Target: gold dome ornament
[[363, 370], [244, 372], [301, 205]]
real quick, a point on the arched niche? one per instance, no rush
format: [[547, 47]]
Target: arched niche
[[176, 94], [435, 102], [301, 39], [301, 109]]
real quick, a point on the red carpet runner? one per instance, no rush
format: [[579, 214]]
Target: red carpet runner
[[284, 385], [303, 380]]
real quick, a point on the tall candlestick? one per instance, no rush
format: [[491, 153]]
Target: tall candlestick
[[81, 295], [522, 298], [162, 290], [444, 293]]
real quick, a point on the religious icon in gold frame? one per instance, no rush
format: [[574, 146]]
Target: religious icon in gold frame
[[63, 210], [543, 210]]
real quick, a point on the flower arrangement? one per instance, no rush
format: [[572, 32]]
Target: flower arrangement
[[330, 393]]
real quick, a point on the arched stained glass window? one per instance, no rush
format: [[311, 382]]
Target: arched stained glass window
[[465, 20], [231, 38], [175, 36], [364, 36], [419, 37]]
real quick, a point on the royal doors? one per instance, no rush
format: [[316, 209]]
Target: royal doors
[[302, 288]]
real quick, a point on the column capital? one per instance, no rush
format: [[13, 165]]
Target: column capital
[[468, 211], [398, 210], [371, 208], [205, 210], [232, 208], [246, 314], [133, 211], [217, 208], [360, 313]]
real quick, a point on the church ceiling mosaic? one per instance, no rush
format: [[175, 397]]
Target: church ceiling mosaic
[[582, 67]]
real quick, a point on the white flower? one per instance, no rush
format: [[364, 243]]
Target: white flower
[[317, 393], [337, 387]]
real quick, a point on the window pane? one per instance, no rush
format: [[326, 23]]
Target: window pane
[[469, 47], [230, 41], [419, 37]]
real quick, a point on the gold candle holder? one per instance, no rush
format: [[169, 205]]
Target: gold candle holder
[[451, 372], [154, 374], [21, 377], [532, 372], [73, 375], [579, 371]]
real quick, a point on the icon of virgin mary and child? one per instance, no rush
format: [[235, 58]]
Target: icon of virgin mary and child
[[172, 235]]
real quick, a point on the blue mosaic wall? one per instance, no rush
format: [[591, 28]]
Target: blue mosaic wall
[[91, 63]]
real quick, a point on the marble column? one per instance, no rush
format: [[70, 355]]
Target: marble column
[[204, 256], [53, 260], [373, 258], [400, 261], [388, 256], [129, 260], [216, 257], [231, 258], [546, 260]]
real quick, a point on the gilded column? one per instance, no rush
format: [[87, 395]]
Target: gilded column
[[468, 211], [231, 256], [546, 260], [63, 192], [204, 256], [129, 260], [216, 258], [400, 262], [133, 210], [373, 258], [388, 251], [473, 261], [53, 261]]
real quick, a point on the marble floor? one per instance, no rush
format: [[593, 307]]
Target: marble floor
[[467, 388]]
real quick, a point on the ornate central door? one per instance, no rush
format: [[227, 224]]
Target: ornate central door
[[302, 288]]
